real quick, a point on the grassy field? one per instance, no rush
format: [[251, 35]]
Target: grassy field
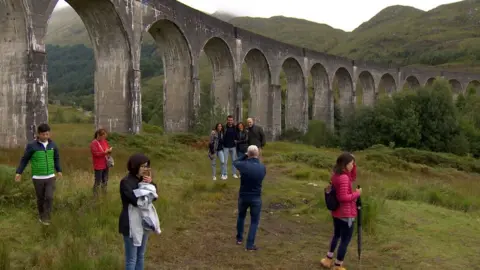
[[422, 210]]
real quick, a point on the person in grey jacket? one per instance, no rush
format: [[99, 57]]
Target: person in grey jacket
[[256, 136]]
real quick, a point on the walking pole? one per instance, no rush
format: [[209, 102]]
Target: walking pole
[[359, 228]]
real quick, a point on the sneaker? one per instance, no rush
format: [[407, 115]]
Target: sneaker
[[235, 176], [239, 242], [214, 178], [326, 262], [254, 248], [224, 177], [46, 223]]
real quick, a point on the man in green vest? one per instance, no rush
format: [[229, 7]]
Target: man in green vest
[[45, 160]]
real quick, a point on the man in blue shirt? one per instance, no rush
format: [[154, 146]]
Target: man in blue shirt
[[229, 145], [252, 173]]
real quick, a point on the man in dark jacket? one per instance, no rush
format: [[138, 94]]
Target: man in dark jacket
[[252, 173], [229, 147], [256, 135], [43, 155]]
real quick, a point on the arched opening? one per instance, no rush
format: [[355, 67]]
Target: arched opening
[[411, 83], [13, 86], [112, 63], [321, 98], [365, 89], [387, 86], [430, 82], [456, 86], [89, 67], [343, 95], [259, 87], [177, 85], [153, 77], [216, 73], [473, 87], [296, 96]]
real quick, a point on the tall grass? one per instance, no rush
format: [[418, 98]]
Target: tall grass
[[198, 216]]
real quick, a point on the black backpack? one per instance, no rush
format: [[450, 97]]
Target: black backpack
[[331, 198]]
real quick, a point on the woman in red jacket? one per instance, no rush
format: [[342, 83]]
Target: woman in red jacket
[[100, 151], [345, 173]]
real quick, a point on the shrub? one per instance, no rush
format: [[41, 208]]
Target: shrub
[[291, 135], [425, 119], [372, 207], [152, 129], [12, 193], [312, 159], [319, 135], [186, 138], [438, 159]]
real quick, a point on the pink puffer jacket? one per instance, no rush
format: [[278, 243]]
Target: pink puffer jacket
[[345, 196]]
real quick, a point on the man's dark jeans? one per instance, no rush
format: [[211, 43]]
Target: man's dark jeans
[[44, 189], [255, 205], [101, 178]]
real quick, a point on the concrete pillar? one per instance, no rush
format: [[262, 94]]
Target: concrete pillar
[[304, 119], [23, 70], [37, 92], [238, 113], [136, 103], [274, 129], [193, 116]]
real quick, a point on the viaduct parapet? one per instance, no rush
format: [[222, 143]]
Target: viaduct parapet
[[116, 29]]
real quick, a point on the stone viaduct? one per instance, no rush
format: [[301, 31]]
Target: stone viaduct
[[116, 29]]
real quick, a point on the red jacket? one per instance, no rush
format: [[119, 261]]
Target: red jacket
[[345, 196], [99, 157]]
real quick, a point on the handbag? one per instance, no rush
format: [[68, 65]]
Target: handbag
[[110, 161]]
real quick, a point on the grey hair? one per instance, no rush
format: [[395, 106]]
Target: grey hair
[[252, 151]]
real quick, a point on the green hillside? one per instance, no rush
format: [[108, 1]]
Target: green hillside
[[320, 37], [447, 35], [66, 28]]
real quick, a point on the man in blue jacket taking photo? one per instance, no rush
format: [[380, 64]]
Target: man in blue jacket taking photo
[[252, 173]]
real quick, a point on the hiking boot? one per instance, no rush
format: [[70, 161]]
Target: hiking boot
[[336, 267], [326, 262], [44, 222], [254, 248]]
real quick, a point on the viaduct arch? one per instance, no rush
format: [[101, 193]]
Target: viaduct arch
[[116, 29]]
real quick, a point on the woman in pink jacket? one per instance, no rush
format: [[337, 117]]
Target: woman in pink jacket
[[344, 174]]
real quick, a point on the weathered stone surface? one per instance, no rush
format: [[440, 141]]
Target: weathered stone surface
[[116, 29]]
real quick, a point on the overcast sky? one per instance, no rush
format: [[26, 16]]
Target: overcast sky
[[342, 14]]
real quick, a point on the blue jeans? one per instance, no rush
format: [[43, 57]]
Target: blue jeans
[[134, 256], [255, 205], [223, 166], [341, 232], [233, 152]]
